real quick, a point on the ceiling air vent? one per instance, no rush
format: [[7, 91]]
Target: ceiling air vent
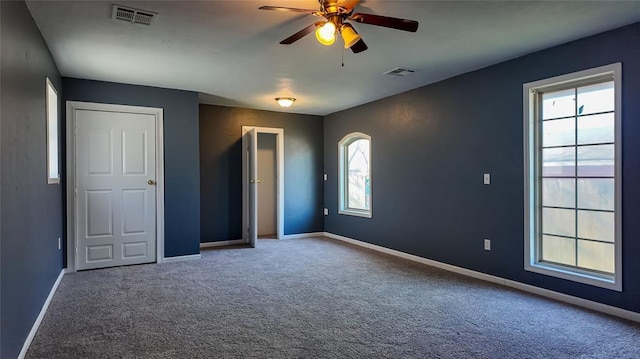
[[135, 16], [399, 71]]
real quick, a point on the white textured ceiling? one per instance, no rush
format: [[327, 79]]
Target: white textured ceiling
[[229, 52]]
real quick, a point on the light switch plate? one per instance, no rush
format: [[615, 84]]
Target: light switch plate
[[326, 211], [487, 178], [487, 244]]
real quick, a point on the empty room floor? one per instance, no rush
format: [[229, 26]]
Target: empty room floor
[[313, 298]]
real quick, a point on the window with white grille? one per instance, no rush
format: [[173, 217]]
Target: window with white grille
[[573, 177], [355, 175]]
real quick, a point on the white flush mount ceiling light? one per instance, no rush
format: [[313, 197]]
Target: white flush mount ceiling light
[[285, 101]]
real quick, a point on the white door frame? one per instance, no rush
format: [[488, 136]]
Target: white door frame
[[72, 106], [279, 132]]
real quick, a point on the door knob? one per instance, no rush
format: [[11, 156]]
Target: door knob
[[151, 182]]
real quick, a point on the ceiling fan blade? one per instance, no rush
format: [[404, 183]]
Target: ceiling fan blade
[[359, 47], [386, 21], [287, 9], [300, 34]]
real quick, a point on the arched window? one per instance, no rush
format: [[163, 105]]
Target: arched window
[[354, 162]]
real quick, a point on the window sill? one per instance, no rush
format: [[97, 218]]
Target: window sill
[[602, 281], [356, 213]]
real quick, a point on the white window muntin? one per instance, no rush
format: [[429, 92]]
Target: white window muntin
[[533, 179]]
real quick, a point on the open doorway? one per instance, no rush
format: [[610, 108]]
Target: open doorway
[[267, 206], [263, 183]]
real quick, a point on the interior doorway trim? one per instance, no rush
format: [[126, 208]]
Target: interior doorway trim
[[279, 132], [72, 106]]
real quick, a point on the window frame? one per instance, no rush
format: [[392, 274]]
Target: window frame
[[532, 178], [53, 126], [343, 201]]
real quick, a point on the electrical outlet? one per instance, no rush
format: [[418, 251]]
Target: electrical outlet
[[487, 178], [326, 211], [487, 244], [59, 243]]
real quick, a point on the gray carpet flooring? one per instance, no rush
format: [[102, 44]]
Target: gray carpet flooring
[[313, 298]]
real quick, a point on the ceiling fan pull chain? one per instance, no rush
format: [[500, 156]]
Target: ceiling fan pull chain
[[342, 57]]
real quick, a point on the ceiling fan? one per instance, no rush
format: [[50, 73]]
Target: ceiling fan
[[335, 14]]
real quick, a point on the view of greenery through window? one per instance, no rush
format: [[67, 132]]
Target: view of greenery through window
[[577, 178], [358, 187]]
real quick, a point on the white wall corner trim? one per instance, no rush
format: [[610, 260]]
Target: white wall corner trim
[[585, 303], [182, 258], [304, 235], [43, 311], [222, 243]]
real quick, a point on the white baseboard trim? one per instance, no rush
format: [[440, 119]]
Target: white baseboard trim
[[585, 303], [222, 243], [43, 311], [581, 302], [304, 235], [182, 258]]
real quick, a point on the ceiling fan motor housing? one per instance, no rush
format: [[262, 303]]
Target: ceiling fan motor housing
[[336, 20], [329, 7]]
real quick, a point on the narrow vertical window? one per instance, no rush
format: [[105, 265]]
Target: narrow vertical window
[[53, 171], [355, 175], [573, 209]]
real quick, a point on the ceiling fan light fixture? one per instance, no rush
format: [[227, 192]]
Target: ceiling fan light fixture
[[326, 34], [349, 35], [285, 101]]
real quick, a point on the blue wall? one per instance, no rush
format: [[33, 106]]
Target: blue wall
[[181, 153], [431, 146], [31, 210], [221, 170]]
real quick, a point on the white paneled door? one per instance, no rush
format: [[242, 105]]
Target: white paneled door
[[115, 177]]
